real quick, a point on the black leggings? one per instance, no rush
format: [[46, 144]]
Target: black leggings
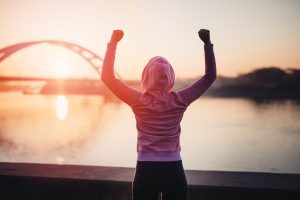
[[152, 178]]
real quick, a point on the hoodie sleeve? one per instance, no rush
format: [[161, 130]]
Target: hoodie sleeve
[[195, 90], [120, 89]]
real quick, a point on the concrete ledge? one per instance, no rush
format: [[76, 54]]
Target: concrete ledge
[[47, 181]]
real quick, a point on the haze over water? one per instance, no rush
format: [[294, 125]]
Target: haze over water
[[233, 134]]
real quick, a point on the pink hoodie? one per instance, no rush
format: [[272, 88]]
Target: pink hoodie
[[158, 110]]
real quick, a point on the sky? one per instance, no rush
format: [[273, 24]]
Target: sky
[[246, 34]]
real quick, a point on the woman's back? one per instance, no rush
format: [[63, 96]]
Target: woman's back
[[158, 126]]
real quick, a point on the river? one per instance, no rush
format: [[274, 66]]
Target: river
[[229, 134]]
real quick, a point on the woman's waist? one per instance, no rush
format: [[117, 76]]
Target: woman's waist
[[163, 156]]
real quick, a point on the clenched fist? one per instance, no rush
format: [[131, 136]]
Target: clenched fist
[[116, 36], [204, 36]]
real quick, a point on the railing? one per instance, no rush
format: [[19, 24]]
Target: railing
[[48, 181]]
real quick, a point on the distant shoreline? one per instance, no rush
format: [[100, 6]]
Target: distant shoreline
[[227, 93], [267, 83]]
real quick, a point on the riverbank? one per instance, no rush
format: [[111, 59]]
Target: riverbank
[[48, 181]]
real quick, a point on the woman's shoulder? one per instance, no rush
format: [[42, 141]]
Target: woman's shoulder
[[177, 98]]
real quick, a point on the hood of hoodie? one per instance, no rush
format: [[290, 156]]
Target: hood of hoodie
[[158, 76]]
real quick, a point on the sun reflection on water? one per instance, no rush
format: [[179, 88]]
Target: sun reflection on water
[[61, 105]]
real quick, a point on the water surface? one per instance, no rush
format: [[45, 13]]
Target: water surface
[[231, 134]]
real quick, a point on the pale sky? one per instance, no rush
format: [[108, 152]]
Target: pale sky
[[246, 34]]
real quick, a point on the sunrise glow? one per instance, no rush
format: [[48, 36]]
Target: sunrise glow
[[246, 34]]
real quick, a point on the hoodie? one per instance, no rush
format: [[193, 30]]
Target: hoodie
[[158, 109]]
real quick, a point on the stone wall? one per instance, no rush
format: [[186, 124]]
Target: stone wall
[[45, 181]]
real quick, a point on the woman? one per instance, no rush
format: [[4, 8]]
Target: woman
[[158, 111]]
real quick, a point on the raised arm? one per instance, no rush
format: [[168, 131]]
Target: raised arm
[[120, 89], [195, 90]]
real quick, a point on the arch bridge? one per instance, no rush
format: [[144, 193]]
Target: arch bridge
[[53, 85]]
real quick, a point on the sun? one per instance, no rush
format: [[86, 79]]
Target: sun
[[61, 68]]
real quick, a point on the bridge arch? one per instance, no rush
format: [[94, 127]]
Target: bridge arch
[[85, 53]]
